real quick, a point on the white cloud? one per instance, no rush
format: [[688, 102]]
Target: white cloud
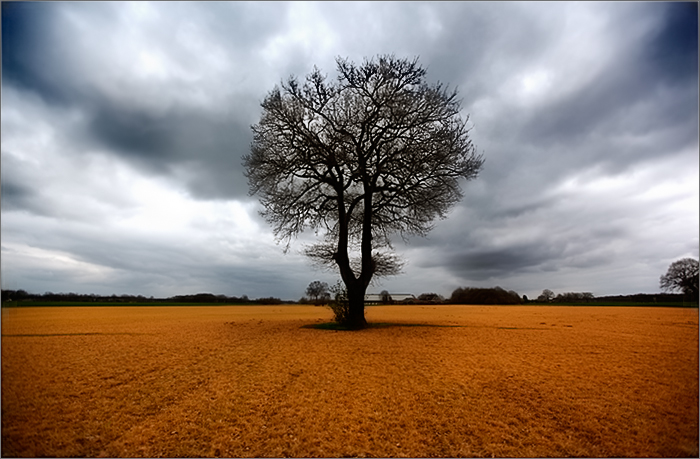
[[307, 33], [21, 260]]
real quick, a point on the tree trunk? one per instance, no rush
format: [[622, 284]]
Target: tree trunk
[[356, 305]]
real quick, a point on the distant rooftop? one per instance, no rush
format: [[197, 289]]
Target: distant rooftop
[[377, 297]]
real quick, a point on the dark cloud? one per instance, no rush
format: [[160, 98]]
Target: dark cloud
[[26, 27], [156, 132], [672, 53], [627, 99], [479, 265], [136, 133], [15, 195], [18, 189], [209, 147], [499, 248]]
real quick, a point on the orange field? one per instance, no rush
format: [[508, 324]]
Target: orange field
[[250, 381]]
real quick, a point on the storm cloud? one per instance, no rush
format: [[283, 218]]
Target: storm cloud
[[124, 125]]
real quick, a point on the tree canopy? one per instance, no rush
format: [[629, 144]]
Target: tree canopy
[[376, 152], [318, 291], [682, 275]]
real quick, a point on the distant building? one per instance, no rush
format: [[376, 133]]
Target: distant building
[[376, 298]]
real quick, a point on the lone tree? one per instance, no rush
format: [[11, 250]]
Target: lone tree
[[546, 296], [318, 291], [377, 152], [385, 297], [682, 275]]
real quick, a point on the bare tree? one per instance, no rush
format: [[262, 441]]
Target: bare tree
[[385, 296], [546, 296], [682, 275], [377, 152], [318, 291]]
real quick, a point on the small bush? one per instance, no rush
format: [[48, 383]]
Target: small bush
[[339, 304]]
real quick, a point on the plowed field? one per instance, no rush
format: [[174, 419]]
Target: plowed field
[[444, 381]]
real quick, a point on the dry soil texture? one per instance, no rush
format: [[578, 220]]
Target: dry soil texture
[[250, 381]]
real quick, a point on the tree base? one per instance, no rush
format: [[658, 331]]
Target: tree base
[[356, 325]]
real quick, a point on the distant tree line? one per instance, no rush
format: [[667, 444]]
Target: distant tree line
[[423, 298], [321, 295], [430, 298], [463, 295], [495, 295], [222, 299], [648, 298], [500, 296], [679, 299], [548, 296], [9, 296]]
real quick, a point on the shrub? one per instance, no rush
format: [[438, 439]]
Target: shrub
[[339, 304]]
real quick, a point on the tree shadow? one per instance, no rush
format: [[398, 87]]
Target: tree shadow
[[336, 326]]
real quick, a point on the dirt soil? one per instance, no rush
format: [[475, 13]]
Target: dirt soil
[[250, 381]]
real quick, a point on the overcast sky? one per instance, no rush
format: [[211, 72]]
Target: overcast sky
[[124, 124]]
